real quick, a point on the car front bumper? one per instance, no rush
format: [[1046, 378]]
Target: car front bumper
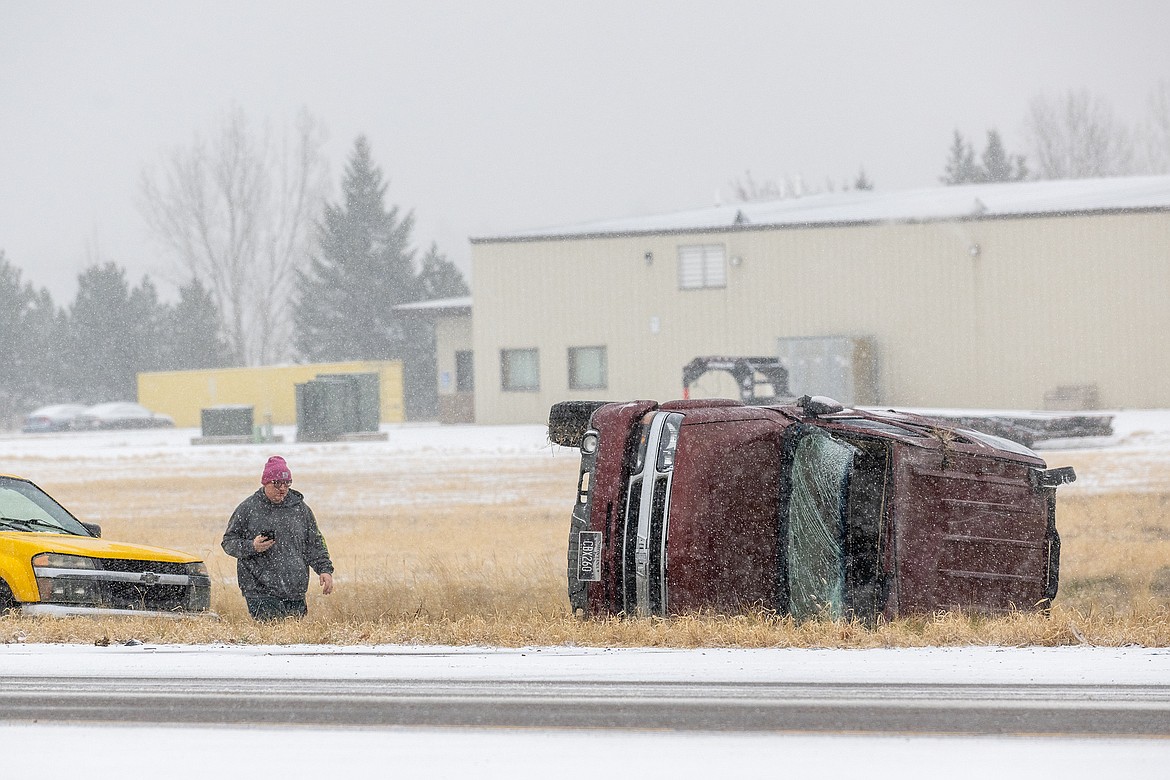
[[69, 610]]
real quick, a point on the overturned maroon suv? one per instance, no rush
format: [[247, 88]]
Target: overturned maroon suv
[[807, 509]]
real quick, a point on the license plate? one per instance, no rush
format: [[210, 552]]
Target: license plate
[[589, 556]]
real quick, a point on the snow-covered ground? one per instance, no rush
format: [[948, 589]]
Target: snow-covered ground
[[1141, 436], [957, 666], [112, 751], [204, 753], [1136, 453]]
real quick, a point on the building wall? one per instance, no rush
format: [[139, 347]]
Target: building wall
[[268, 389], [1045, 302], [452, 334]]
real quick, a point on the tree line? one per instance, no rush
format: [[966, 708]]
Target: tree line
[[275, 272], [1075, 135], [92, 349]]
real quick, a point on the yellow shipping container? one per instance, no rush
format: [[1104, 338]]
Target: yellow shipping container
[[270, 390]]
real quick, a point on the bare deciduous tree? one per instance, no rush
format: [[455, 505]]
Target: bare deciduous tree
[[748, 190], [238, 212], [1076, 137], [1156, 131]]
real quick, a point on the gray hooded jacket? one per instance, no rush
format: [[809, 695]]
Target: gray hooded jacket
[[283, 570]]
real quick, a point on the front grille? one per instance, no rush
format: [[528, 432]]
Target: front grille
[[136, 595], [630, 546], [657, 570], [158, 567]]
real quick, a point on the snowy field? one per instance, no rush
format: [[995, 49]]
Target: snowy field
[[1137, 450], [1135, 457]]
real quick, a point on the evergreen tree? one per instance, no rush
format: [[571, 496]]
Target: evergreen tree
[[440, 278], [998, 165], [365, 267], [961, 167], [145, 323], [192, 336], [29, 357], [862, 182], [113, 333], [995, 164]]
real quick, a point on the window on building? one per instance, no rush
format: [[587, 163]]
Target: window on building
[[520, 370], [701, 265], [464, 371], [587, 368]]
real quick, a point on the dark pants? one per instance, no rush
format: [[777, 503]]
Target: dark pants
[[272, 608]]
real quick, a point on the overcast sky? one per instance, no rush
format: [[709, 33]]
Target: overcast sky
[[490, 117]]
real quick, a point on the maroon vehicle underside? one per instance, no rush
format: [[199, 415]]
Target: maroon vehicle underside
[[932, 521]]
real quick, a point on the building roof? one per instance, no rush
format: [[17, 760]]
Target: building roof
[[933, 204], [438, 306]]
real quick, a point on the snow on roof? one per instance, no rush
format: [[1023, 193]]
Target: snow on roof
[[968, 201], [438, 304]]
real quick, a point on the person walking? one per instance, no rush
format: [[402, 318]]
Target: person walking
[[274, 538]]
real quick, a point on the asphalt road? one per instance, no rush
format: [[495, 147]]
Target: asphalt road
[[1085, 710]]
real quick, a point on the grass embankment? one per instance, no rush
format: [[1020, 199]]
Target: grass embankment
[[477, 572]]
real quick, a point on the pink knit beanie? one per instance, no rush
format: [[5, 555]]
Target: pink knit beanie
[[275, 469]]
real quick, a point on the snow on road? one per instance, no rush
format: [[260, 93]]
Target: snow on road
[[199, 751], [949, 665], [117, 752]]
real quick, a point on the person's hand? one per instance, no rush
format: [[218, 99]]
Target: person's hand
[[326, 584], [262, 543]]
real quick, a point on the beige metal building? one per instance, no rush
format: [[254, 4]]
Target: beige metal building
[[453, 354], [1025, 296]]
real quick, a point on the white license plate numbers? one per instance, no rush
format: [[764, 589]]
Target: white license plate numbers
[[589, 556]]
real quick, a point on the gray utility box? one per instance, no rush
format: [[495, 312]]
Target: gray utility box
[[367, 392], [334, 405], [227, 420]]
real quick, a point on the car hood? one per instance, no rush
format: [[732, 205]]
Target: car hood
[[31, 543]]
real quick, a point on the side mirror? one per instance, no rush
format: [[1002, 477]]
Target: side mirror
[[816, 405], [94, 529], [1053, 478]]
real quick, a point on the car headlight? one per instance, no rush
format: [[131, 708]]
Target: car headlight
[[199, 568], [668, 441], [589, 443], [55, 587], [50, 560]]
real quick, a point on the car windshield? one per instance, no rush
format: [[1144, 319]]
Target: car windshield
[[25, 507]]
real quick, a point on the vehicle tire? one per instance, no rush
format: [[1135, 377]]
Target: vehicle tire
[[568, 421], [7, 602]]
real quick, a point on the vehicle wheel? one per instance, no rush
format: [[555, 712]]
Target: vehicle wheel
[[7, 602], [568, 421]]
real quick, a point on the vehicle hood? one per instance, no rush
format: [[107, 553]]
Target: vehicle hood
[[31, 543]]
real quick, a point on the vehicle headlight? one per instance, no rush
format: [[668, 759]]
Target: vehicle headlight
[[199, 568], [56, 587], [589, 443], [50, 560], [668, 442]]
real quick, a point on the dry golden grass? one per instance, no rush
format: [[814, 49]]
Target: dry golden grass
[[488, 568]]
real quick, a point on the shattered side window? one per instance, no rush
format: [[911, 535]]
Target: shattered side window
[[816, 526]]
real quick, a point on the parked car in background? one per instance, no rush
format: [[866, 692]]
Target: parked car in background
[[51, 563], [57, 417], [807, 509], [120, 414]]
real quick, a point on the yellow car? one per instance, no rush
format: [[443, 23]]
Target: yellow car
[[53, 564]]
